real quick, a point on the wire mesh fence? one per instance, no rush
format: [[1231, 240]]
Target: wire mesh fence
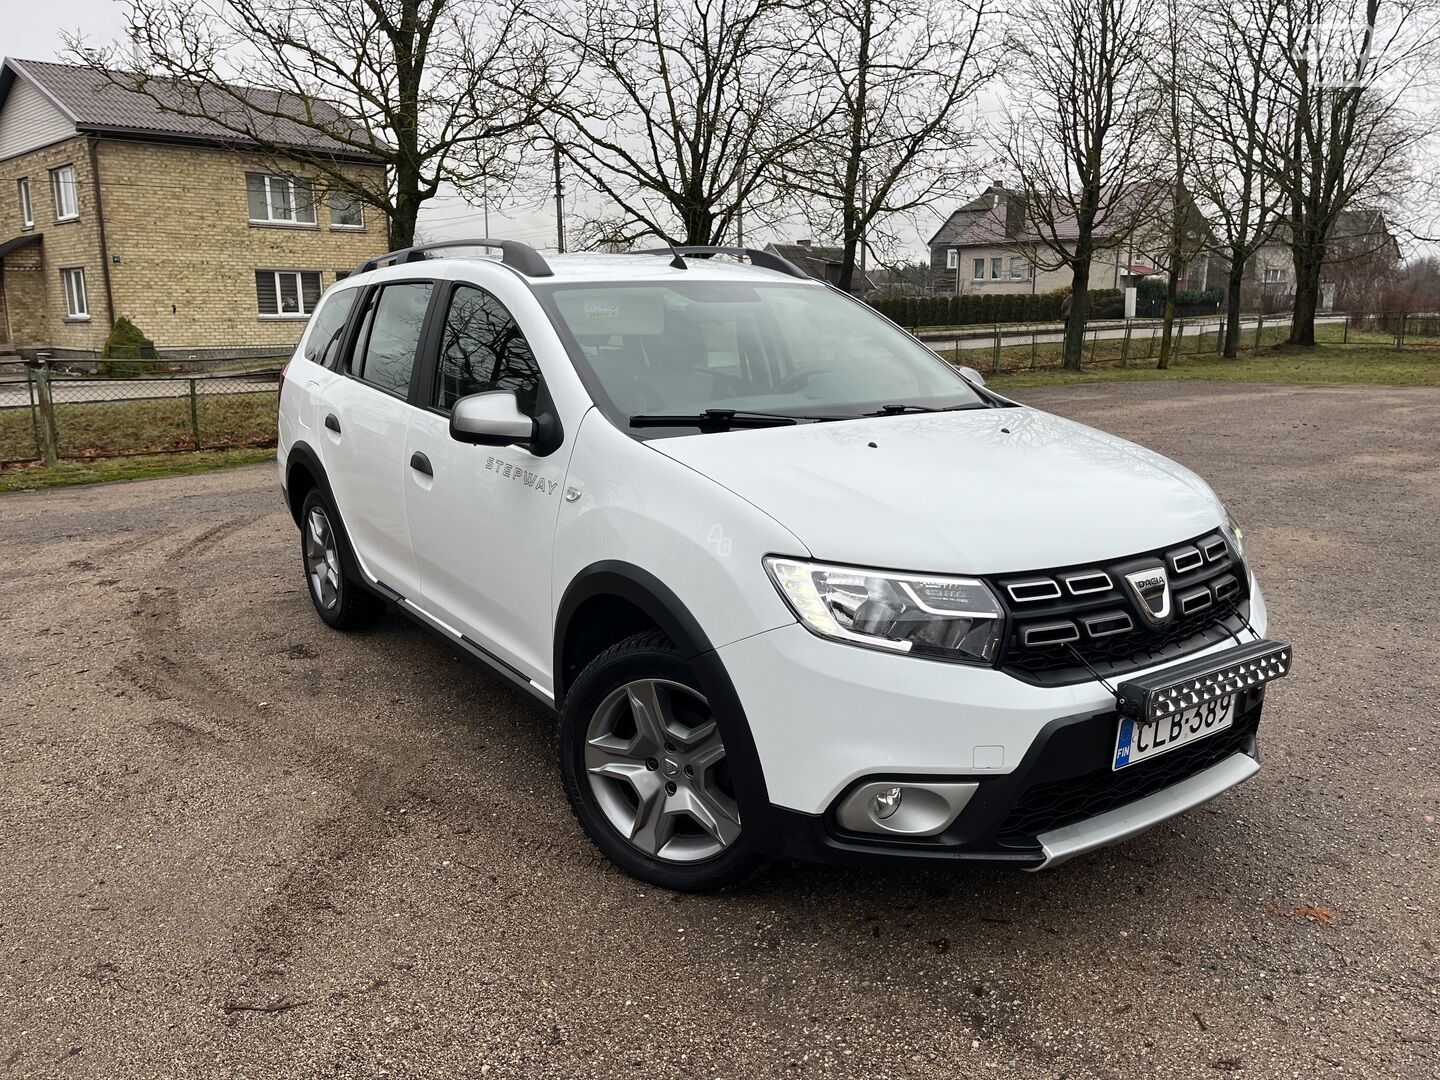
[[1138, 342], [124, 407]]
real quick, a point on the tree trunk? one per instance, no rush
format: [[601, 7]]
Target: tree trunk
[[402, 220], [1233, 285], [1308, 259], [847, 264], [1074, 351], [1172, 286]]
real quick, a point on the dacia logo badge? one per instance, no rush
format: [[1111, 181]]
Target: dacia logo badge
[[1152, 588]]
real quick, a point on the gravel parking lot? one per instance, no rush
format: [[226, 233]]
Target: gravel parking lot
[[238, 844]]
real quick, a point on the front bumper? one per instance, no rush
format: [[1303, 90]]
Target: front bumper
[[827, 719], [1062, 800]]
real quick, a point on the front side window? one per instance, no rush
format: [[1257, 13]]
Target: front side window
[[346, 211], [27, 212], [289, 294], [279, 200], [322, 342], [484, 349], [683, 348], [62, 187], [390, 335], [979, 270], [77, 304]]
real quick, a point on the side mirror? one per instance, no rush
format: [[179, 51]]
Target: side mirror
[[969, 374], [491, 419]]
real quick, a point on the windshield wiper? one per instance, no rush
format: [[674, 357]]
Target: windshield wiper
[[715, 420], [898, 410]]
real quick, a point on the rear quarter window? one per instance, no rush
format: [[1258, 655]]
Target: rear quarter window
[[327, 328]]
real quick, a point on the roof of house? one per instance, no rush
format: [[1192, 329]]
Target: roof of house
[[812, 258], [997, 216], [167, 109]]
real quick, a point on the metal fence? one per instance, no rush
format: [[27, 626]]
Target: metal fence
[[77, 410], [1134, 342]]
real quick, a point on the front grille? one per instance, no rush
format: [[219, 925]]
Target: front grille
[[1058, 803], [1090, 609]]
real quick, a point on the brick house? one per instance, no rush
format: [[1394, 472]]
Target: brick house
[[990, 245], [1361, 264], [111, 205]]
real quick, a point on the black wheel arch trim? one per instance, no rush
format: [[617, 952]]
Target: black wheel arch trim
[[644, 590]]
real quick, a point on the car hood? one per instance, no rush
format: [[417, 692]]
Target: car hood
[[980, 491]]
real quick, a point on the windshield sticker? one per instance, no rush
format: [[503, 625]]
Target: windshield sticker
[[602, 309]]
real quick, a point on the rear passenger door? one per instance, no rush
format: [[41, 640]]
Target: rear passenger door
[[482, 518], [364, 422]]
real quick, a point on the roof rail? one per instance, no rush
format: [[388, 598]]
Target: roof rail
[[514, 254], [766, 260]]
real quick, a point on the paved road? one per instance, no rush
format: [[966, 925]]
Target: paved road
[[15, 394], [982, 337], [213, 806]]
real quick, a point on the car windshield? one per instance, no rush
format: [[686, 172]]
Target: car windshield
[[682, 348]]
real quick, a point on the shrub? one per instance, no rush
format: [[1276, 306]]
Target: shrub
[[127, 343]]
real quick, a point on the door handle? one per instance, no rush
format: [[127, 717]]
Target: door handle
[[421, 464], [332, 423]]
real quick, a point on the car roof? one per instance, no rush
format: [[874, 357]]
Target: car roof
[[581, 267]]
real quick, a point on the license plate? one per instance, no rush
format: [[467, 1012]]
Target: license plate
[[1139, 740]]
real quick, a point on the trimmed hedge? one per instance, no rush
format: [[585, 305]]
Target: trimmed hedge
[[968, 309]]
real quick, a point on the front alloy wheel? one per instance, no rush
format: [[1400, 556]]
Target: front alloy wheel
[[656, 766], [642, 757]]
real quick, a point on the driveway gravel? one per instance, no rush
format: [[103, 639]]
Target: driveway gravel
[[237, 844]]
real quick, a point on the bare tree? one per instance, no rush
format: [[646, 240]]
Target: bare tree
[[894, 84], [1078, 132], [1345, 86], [675, 116], [1234, 103], [436, 89], [1181, 237]]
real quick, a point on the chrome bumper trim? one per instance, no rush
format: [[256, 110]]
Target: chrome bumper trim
[[1126, 821]]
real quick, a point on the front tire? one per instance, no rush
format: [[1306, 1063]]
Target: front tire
[[645, 770], [339, 600]]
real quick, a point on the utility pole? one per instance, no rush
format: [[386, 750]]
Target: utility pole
[[559, 204]]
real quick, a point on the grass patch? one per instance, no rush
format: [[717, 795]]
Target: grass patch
[[143, 467], [106, 428], [1385, 365]]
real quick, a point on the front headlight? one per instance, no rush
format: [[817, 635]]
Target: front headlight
[[944, 618], [1234, 534]]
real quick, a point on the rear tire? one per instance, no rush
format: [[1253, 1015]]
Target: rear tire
[[645, 770], [340, 601]]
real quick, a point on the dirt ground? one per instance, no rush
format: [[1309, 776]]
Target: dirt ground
[[237, 844]]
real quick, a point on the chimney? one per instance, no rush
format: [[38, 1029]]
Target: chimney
[[803, 243]]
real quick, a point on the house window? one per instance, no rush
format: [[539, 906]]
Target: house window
[[1274, 274], [952, 259], [62, 186], [77, 304], [979, 269], [997, 269], [1019, 268], [27, 212], [279, 200], [346, 211], [287, 294]]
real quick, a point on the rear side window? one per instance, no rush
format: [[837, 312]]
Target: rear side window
[[390, 336], [484, 349], [322, 346]]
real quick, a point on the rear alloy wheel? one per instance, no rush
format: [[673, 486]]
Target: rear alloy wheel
[[644, 764], [339, 600]]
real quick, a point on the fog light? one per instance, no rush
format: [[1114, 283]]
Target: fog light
[[886, 803]]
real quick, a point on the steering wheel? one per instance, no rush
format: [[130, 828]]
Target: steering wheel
[[796, 380]]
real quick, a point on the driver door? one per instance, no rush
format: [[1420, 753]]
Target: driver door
[[482, 518]]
